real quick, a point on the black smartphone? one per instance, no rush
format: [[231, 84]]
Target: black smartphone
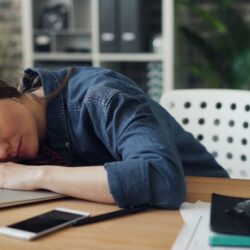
[[42, 224]]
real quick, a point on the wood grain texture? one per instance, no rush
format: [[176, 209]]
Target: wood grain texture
[[201, 188]]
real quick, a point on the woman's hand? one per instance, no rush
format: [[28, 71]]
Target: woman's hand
[[82, 182], [18, 176]]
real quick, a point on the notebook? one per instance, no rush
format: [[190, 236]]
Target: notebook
[[16, 197]]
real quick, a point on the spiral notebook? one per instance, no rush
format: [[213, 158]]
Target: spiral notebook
[[15, 197]]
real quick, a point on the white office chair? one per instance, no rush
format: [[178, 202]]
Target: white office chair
[[219, 119]]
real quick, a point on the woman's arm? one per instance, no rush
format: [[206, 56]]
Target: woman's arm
[[148, 168], [88, 183]]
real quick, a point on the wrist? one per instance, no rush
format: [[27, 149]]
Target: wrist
[[41, 177]]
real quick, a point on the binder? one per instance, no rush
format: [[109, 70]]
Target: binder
[[131, 25], [108, 17], [228, 229]]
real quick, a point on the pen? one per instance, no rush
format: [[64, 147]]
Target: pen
[[111, 215]]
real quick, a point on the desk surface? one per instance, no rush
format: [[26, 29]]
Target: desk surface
[[156, 229]]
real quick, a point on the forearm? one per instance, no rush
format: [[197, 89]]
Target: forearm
[[88, 183]]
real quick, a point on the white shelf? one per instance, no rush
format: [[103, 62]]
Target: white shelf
[[87, 26], [128, 57], [63, 56], [66, 32]]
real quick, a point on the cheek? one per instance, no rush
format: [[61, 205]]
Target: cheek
[[8, 130], [30, 140], [26, 122], [16, 122], [19, 123], [28, 134], [31, 150], [29, 146]]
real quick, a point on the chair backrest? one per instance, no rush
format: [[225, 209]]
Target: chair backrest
[[219, 119]]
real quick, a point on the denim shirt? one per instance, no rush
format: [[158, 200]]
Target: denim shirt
[[104, 118]]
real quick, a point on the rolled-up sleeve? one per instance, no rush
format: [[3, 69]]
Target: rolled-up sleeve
[[148, 169]]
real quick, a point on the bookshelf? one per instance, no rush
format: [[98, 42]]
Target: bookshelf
[[76, 39]]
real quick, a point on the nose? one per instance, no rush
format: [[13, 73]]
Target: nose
[[4, 150]]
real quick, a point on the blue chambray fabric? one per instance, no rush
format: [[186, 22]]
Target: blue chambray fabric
[[104, 118]]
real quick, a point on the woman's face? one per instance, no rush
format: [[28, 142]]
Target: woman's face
[[18, 131]]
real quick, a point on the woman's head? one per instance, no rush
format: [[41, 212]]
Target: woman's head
[[19, 135], [22, 118]]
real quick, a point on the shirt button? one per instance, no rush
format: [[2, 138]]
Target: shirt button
[[67, 145]]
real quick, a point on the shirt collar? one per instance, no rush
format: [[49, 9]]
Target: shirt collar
[[57, 132]]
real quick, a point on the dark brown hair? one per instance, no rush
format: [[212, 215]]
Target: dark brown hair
[[7, 91]]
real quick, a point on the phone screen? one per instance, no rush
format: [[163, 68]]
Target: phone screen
[[45, 221]]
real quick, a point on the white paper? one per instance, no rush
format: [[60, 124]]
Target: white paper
[[195, 232]]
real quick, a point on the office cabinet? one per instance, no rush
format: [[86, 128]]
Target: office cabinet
[[102, 33]]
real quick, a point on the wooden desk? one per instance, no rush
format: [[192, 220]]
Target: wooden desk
[[148, 230], [201, 188], [156, 229]]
